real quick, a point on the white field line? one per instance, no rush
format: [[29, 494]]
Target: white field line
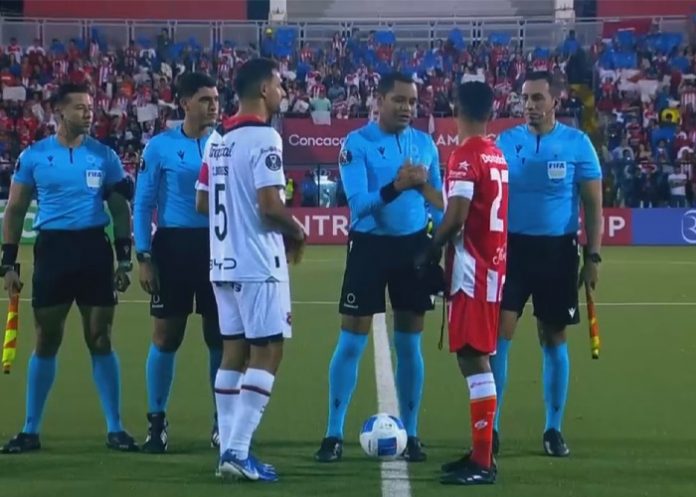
[[395, 482]]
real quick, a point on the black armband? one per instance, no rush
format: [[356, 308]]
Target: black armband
[[389, 193], [124, 187], [123, 249], [9, 254]]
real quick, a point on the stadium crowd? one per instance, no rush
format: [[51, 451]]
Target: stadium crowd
[[645, 92]]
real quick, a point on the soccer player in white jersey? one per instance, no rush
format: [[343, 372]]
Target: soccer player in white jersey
[[252, 236]]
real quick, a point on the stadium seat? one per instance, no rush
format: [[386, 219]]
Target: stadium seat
[[385, 37], [498, 38]]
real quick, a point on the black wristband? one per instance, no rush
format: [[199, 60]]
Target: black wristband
[[123, 249], [389, 193], [9, 254]]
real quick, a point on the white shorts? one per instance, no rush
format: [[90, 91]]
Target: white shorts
[[256, 310]]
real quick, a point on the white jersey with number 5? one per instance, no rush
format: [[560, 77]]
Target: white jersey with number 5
[[243, 247]]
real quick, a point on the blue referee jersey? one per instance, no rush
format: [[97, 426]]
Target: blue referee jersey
[[166, 180], [370, 159], [545, 172], [69, 182]]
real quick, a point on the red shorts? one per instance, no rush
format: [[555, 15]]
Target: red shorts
[[473, 323]]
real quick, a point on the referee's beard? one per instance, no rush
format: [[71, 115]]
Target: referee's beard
[[541, 122]]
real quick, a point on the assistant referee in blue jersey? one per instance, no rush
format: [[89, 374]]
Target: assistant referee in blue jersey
[[552, 167], [174, 264], [391, 176], [73, 176]]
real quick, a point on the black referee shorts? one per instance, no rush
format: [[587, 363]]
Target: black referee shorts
[[73, 265], [375, 263], [182, 259], [545, 268]]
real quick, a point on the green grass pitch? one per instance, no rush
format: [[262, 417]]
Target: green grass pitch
[[629, 421]]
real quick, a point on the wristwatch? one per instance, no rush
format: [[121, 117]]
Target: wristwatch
[[143, 256], [594, 257]]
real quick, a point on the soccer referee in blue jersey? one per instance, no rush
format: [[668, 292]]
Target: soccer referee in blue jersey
[[552, 167], [174, 264], [391, 175], [72, 175]]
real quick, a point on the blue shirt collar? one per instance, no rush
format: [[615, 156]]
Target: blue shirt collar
[[183, 133]]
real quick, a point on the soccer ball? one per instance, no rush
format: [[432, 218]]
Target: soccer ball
[[383, 436]]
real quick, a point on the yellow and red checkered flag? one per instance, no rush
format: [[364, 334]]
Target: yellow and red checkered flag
[[9, 346]]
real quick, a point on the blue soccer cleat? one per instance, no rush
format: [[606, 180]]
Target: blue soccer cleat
[[250, 469]]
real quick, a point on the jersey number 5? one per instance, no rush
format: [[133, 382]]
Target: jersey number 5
[[220, 229], [500, 177]]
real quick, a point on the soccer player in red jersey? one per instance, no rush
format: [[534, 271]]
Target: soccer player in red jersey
[[474, 229]]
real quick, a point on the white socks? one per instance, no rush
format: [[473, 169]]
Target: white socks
[[227, 386], [255, 392]]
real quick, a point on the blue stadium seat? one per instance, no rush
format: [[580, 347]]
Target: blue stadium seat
[[498, 38], [57, 47], [385, 38], [680, 62], [625, 38], [625, 60], [541, 53], [456, 37]]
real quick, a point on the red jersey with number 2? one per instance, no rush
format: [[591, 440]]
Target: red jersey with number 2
[[476, 258]]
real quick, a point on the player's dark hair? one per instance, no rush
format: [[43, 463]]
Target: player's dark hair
[[543, 76], [388, 81], [475, 101], [540, 76], [251, 75], [189, 83], [68, 88]]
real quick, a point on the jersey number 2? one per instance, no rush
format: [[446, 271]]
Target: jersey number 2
[[499, 177], [220, 229]]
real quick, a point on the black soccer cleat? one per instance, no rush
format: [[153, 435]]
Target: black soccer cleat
[[414, 450], [554, 445], [157, 437], [21, 442], [461, 463], [331, 450], [121, 441], [470, 473]]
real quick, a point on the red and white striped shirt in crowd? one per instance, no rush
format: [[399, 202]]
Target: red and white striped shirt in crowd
[[103, 103], [500, 103], [49, 89], [692, 136], [311, 80], [688, 98], [94, 51], [224, 69], [352, 79], [649, 114], [519, 69], [371, 79], [338, 44], [106, 70], [306, 54], [143, 97], [60, 67], [131, 56], [317, 90], [15, 51], [122, 103], [34, 49], [226, 53], [540, 64]]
